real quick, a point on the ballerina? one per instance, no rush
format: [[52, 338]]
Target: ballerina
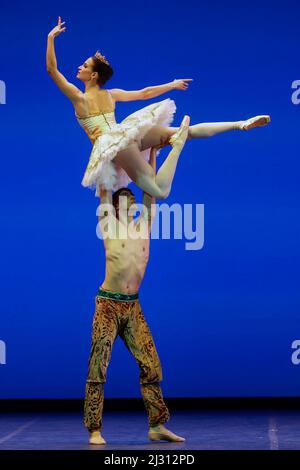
[[121, 151]]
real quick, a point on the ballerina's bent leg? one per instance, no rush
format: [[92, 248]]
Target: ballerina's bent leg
[[141, 172]]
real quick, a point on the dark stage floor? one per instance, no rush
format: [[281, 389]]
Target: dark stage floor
[[207, 430]]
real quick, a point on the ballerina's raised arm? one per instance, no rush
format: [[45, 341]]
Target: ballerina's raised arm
[[70, 90]]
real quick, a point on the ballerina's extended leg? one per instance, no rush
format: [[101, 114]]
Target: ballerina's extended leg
[[204, 129], [212, 128]]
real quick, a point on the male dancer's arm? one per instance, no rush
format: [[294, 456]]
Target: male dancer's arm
[[105, 195], [105, 211], [149, 208]]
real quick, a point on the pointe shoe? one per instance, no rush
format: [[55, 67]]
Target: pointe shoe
[[160, 433], [96, 438], [256, 121], [181, 135]]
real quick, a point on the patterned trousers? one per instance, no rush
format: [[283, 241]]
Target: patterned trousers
[[126, 319]]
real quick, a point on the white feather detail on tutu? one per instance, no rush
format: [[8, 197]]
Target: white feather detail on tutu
[[101, 170]]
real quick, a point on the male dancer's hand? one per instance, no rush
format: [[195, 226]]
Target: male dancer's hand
[[94, 134], [163, 143]]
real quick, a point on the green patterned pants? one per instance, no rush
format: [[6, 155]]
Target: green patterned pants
[[116, 315]]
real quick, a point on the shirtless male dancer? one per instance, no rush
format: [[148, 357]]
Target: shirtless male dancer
[[118, 311]]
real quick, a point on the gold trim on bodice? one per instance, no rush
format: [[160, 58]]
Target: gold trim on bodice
[[94, 114]]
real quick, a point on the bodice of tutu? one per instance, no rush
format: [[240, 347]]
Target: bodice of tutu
[[104, 121]]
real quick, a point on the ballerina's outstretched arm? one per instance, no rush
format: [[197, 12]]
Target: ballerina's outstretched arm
[[151, 91]]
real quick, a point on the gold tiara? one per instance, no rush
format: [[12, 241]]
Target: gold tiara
[[101, 57]]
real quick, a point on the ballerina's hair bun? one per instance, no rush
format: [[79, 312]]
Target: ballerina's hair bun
[[103, 67]]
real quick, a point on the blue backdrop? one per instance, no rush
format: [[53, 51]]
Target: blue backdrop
[[223, 318]]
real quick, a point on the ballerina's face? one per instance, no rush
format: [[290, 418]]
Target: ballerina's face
[[85, 71]]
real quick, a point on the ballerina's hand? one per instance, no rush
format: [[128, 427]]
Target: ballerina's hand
[[57, 30], [163, 143], [182, 83]]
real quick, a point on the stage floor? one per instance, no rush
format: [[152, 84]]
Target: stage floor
[[207, 430]]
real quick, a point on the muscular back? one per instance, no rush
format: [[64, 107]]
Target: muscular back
[[95, 103]]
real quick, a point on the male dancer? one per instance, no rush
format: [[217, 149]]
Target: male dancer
[[118, 311]]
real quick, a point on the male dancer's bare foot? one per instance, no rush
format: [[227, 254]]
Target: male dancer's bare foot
[[158, 433], [178, 139], [256, 121], [96, 438]]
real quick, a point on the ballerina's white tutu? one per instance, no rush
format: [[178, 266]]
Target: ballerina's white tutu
[[101, 169]]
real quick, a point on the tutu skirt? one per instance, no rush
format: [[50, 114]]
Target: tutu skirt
[[101, 170]]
